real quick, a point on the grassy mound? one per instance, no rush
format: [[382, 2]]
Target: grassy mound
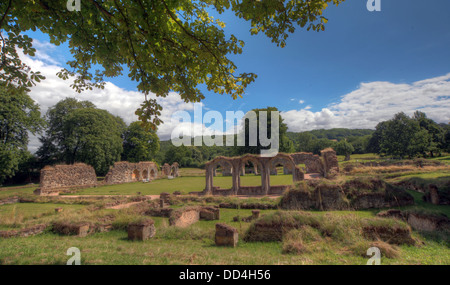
[[344, 229]]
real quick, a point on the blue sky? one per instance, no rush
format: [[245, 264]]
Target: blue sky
[[362, 69]]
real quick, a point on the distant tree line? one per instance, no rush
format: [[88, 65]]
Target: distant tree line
[[77, 131], [400, 137]]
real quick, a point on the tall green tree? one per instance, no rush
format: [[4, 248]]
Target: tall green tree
[[19, 114], [344, 148], [92, 136], [167, 45], [79, 132], [402, 137], [437, 134], [53, 148], [139, 144]]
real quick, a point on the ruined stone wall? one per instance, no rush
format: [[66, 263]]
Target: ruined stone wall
[[124, 172], [312, 161], [170, 170], [330, 161], [61, 177]]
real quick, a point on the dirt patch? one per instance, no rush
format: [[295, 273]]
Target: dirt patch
[[123, 206]]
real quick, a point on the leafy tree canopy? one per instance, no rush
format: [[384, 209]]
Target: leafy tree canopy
[[18, 115], [139, 144], [167, 45], [79, 132]]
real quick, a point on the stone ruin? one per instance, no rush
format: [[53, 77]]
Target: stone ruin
[[330, 162], [226, 235], [326, 165], [170, 170], [124, 172], [62, 177], [184, 217], [141, 230], [79, 175]]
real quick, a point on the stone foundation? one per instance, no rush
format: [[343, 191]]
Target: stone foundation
[[424, 222], [210, 214], [24, 232], [226, 235], [141, 230], [77, 229]]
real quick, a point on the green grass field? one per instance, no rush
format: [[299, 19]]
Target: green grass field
[[183, 184], [195, 244]]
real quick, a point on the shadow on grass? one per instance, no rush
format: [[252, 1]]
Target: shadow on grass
[[440, 237]]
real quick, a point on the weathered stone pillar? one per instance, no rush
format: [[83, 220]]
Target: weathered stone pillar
[[265, 175], [209, 178], [236, 167]]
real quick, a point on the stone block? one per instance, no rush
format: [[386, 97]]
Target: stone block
[[255, 214], [141, 230], [226, 235]]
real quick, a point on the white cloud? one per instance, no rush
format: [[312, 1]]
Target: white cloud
[[377, 101], [116, 100], [301, 101]]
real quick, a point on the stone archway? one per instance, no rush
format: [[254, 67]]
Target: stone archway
[[288, 165], [135, 175], [224, 163], [145, 174], [153, 173]]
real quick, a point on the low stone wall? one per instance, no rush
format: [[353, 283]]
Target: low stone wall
[[424, 222], [419, 221], [12, 200], [251, 190], [336, 197], [312, 162], [124, 172], [187, 216], [221, 192], [24, 232], [259, 206], [393, 234], [278, 189], [61, 177]]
